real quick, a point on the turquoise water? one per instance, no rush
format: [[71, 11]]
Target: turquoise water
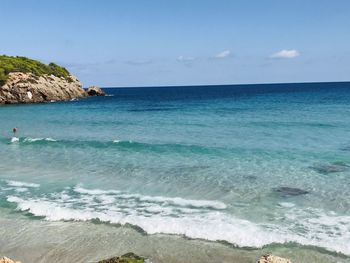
[[249, 165]]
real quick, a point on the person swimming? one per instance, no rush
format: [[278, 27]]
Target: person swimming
[[14, 138]]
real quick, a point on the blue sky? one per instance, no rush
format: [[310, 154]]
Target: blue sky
[[189, 42]]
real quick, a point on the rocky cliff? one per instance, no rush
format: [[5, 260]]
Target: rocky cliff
[[28, 88], [25, 80]]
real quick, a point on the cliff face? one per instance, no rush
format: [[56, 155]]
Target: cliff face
[[28, 88]]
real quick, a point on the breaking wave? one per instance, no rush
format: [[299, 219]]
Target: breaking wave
[[204, 219], [31, 140]]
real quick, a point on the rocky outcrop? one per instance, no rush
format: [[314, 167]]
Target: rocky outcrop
[[335, 167], [127, 258], [273, 259], [7, 260], [286, 191], [27, 88], [95, 91]]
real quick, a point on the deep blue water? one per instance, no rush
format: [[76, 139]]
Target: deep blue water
[[248, 164]]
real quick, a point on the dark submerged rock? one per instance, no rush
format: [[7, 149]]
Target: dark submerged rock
[[345, 148], [95, 91], [252, 177], [126, 258], [290, 191], [335, 167]]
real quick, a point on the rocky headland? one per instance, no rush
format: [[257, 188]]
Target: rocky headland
[[27, 88], [23, 80]]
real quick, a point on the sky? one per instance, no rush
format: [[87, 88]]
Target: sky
[[129, 43]]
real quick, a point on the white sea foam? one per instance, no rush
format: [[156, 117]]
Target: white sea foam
[[177, 201], [28, 139], [21, 184], [210, 225], [33, 139], [21, 189], [39, 139], [14, 139], [50, 140], [203, 219], [82, 190], [106, 199], [185, 202], [120, 141]]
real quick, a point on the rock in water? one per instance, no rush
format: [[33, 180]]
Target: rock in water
[[273, 259], [95, 91], [290, 191], [336, 167], [23, 87], [127, 258], [7, 260]]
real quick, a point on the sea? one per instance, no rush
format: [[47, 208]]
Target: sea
[[234, 169]]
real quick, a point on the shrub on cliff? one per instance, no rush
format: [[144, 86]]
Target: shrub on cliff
[[22, 64]]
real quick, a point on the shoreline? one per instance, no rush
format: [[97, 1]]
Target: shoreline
[[28, 240]]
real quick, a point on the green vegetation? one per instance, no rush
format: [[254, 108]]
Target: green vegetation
[[22, 64], [127, 258]]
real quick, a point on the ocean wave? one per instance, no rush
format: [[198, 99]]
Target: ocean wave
[[17, 186], [158, 147], [117, 144], [203, 219], [14, 139], [21, 184], [39, 139], [175, 201], [82, 190], [132, 146], [31, 140], [152, 216]]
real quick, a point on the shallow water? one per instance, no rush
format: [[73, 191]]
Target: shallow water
[[248, 165]]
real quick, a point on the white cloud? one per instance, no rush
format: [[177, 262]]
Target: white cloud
[[223, 54], [285, 53], [185, 59]]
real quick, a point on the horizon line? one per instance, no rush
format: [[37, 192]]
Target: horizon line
[[213, 85]]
